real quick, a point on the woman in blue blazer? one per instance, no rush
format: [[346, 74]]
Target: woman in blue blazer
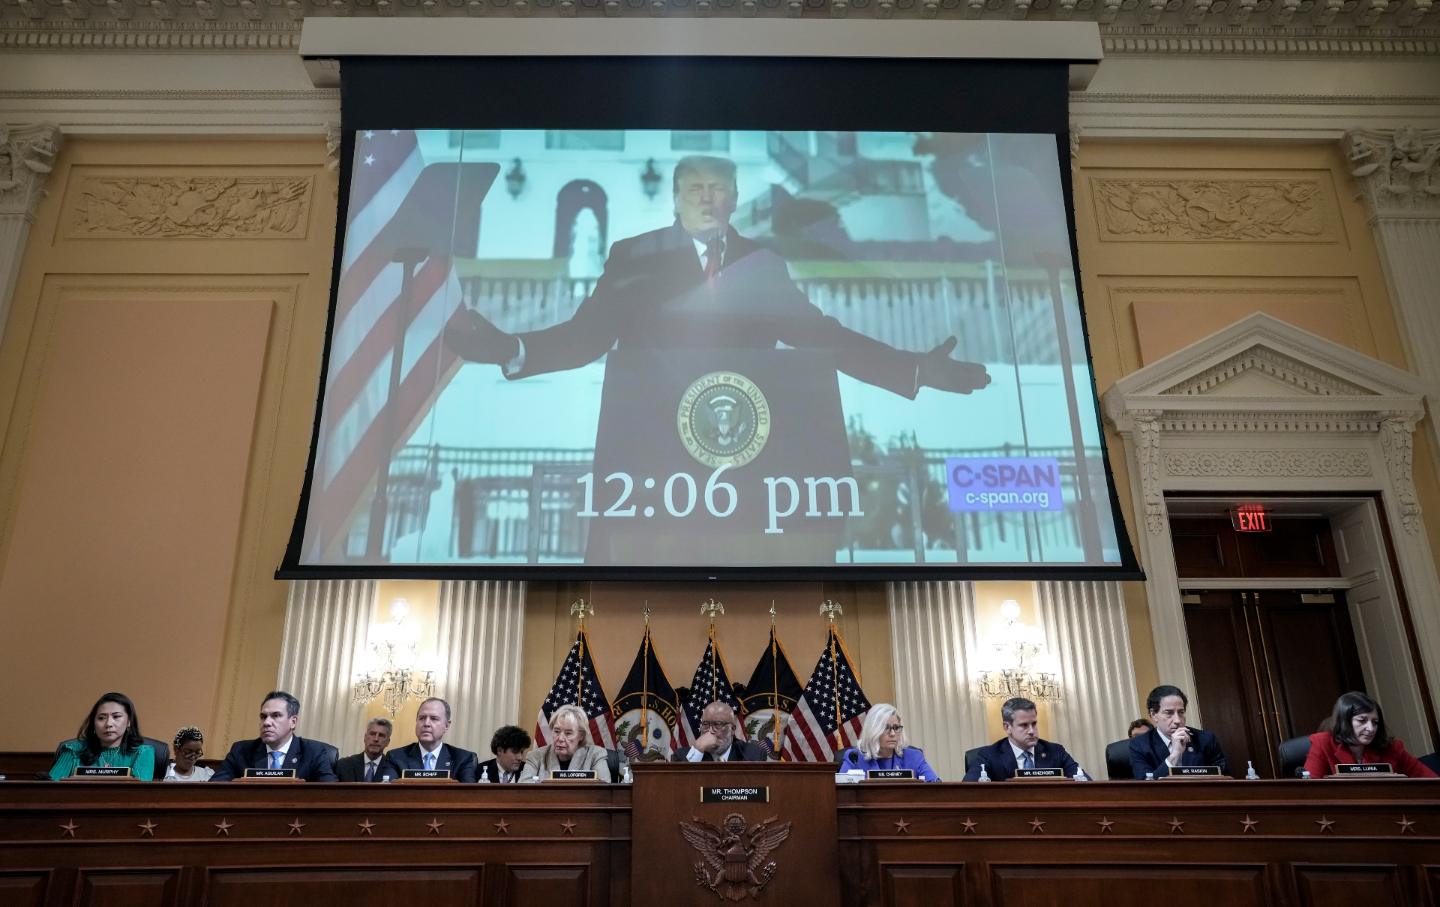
[[882, 746]]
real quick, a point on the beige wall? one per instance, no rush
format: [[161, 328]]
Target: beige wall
[[157, 380], [1179, 240], [159, 369]]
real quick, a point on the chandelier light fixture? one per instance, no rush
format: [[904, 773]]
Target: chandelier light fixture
[[390, 669], [1015, 663]]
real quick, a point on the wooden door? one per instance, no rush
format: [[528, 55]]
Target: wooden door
[[1268, 666]]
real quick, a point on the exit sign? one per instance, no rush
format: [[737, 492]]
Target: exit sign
[[1250, 518]]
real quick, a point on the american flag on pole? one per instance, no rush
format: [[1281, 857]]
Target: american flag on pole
[[710, 684], [828, 716], [578, 683], [396, 291]]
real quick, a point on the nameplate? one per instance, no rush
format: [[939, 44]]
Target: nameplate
[[890, 774], [271, 774], [734, 795], [101, 771], [572, 774], [1023, 773], [1364, 768], [425, 774], [1194, 771]]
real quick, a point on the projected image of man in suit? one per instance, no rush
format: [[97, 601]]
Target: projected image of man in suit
[[693, 299]]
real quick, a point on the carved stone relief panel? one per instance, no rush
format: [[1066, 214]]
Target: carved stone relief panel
[[188, 205], [1171, 206], [1268, 463]]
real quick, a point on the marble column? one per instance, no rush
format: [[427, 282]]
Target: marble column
[[27, 155], [1398, 174], [1086, 631], [479, 638], [326, 623], [933, 640]]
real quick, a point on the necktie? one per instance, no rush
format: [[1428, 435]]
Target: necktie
[[275, 758], [369, 771], [1027, 760], [429, 762], [714, 250]]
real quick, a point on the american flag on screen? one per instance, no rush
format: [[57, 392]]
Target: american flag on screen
[[828, 716], [403, 214], [578, 683], [711, 684]]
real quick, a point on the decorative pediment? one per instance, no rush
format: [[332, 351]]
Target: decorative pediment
[[1264, 369]]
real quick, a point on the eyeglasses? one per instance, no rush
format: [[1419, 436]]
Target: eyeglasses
[[714, 725], [894, 728]]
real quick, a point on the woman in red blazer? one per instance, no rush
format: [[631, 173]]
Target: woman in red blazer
[[1357, 734]]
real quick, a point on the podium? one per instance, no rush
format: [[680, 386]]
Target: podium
[[737, 832]]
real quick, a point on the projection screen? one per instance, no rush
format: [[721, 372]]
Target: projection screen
[[627, 323]]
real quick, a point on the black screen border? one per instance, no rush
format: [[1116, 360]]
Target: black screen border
[[814, 93]]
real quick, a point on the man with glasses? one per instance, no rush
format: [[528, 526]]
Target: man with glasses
[[717, 741]]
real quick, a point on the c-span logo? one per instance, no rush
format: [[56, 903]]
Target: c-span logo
[[723, 420]]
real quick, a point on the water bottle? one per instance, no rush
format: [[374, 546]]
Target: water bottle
[[1250, 773], [1149, 776], [1304, 775], [625, 775], [984, 773], [1080, 773], [484, 778]]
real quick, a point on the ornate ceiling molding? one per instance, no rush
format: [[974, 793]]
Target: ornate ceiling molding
[[1305, 28]]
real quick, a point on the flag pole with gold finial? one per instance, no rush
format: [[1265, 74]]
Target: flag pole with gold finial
[[775, 677], [831, 608], [712, 609], [580, 609], [645, 686]]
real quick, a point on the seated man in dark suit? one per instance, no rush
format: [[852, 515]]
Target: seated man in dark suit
[[278, 746], [509, 744], [370, 764], [717, 741], [1021, 747], [430, 752], [1171, 742]]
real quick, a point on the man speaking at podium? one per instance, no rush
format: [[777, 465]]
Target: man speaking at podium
[[680, 305]]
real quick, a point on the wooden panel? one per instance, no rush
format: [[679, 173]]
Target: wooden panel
[[23, 889], [552, 886], [308, 887], [1227, 680], [149, 888], [1311, 655], [910, 885], [1128, 885], [1346, 886]]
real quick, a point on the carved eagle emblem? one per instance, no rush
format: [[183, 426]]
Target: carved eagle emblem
[[735, 858]]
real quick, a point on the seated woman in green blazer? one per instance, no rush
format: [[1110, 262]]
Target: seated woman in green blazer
[[109, 736]]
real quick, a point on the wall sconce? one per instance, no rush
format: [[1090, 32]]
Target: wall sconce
[[1017, 664], [389, 667], [515, 178], [650, 179]]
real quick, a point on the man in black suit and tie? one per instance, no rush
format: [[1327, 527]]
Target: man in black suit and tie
[[679, 305], [278, 747], [510, 745], [1021, 747], [430, 752], [1171, 742], [370, 764], [717, 741]]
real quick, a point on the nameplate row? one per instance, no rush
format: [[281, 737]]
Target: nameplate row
[[734, 795], [1040, 773], [572, 774], [425, 774], [271, 773], [102, 771], [1195, 771], [890, 774], [1364, 768]]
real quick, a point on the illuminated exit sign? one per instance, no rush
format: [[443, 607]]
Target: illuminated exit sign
[[1250, 518]]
